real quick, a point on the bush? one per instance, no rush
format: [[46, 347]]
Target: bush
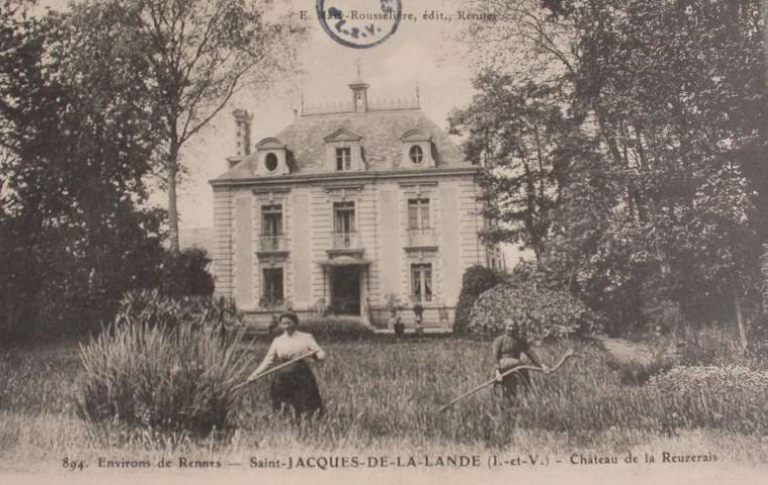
[[475, 281], [152, 308], [69, 281], [547, 313], [337, 328], [184, 273], [713, 396], [146, 371]]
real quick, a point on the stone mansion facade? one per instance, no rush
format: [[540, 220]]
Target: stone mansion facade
[[346, 211]]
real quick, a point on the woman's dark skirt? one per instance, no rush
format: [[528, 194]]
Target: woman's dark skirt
[[511, 384], [295, 388]]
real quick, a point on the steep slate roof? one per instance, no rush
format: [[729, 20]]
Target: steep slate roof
[[381, 132]]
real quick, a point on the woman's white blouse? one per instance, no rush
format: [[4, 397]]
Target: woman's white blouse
[[287, 347]]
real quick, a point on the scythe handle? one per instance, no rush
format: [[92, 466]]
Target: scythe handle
[[274, 369], [565, 357]]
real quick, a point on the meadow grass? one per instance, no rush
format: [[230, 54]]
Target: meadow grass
[[382, 396]]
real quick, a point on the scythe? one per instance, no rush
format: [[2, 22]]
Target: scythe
[[275, 369], [565, 357]]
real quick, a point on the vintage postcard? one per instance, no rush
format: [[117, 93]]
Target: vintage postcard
[[417, 241]]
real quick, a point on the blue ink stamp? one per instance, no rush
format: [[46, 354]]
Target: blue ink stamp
[[359, 24]]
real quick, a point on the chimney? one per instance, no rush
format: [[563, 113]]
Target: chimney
[[243, 132]]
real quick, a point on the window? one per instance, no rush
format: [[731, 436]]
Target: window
[[271, 227], [272, 292], [344, 158], [418, 214], [417, 154], [421, 282], [344, 217], [343, 224], [271, 162]]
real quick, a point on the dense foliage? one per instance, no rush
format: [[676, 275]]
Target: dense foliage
[[165, 366], [624, 144], [75, 145], [154, 308], [475, 281], [185, 273], [703, 395], [81, 126], [544, 312]]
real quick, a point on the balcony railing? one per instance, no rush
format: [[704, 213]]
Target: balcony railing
[[422, 237], [271, 301], [345, 240], [272, 243]]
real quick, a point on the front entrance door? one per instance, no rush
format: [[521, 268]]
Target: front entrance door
[[345, 290]]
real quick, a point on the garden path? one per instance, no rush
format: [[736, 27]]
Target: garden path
[[626, 351]]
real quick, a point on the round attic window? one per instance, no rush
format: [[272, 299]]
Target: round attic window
[[271, 162], [417, 154]]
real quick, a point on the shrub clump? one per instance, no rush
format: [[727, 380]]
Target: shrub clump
[[547, 312], [712, 396], [184, 273], [153, 369], [475, 281], [153, 308]]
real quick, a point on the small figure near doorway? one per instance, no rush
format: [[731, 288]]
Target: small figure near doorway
[[418, 311], [396, 322]]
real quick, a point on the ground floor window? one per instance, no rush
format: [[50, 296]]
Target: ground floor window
[[272, 287], [421, 282]]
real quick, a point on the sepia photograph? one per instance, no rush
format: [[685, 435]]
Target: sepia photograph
[[414, 241]]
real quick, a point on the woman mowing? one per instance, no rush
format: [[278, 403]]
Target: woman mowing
[[293, 387], [507, 352]]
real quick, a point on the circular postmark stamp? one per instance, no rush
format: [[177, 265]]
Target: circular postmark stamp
[[359, 24]]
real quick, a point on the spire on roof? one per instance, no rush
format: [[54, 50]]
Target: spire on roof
[[359, 92]]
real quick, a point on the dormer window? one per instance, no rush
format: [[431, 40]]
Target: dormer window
[[344, 158], [417, 154], [343, 151], [272, 158], [417, 150], [270, 162]]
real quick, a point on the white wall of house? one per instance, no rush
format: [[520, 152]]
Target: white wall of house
[[381, 223]]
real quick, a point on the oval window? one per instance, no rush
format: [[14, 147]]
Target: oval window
[[271, 162], [417, 154]]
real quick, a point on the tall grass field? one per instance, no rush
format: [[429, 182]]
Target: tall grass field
[[382, 395]]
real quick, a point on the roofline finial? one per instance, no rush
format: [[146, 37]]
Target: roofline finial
[[418, 98]]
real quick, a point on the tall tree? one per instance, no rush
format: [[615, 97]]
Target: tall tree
[[77, 142], [519, 132], [765, 81], [671, 96], [673, 88], [200, 54]]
